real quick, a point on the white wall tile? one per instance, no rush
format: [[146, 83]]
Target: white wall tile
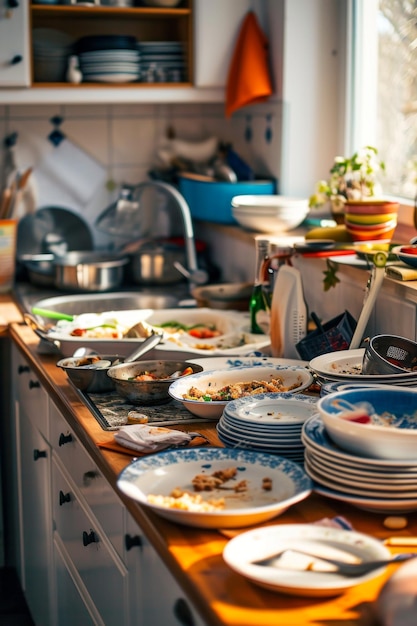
[[133, 141], [92, 135]]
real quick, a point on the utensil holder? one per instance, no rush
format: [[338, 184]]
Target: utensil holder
[[334, 335]]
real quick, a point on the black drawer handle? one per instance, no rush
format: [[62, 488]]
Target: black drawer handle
[[183, 613], [89, 538], [23, 369], [131, 541], [64, 497], [39, 454], [16, 59], [63, 439], [34, 384]]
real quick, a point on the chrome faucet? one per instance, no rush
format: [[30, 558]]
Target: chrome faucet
[[128, 204], [192, 272]]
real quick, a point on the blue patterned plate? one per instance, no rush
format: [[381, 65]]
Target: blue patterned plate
[[161, 473]]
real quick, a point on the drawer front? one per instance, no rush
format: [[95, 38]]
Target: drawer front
[[31, 396], [100, 497], [101, 571]]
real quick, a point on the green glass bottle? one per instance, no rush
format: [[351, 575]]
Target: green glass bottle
[[260, 302]]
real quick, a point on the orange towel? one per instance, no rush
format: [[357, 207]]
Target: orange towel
[[249, 79]]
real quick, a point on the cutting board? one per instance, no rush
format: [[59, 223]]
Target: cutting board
[[288, 313], [68, 176]]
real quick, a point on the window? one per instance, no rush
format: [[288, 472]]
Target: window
[[383, 92]]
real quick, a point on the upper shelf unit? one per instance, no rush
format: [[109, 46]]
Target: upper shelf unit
[[156, 46]]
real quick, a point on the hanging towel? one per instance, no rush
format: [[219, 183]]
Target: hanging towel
[[249, 78]]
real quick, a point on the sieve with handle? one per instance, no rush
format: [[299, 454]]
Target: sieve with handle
[[390, 354]]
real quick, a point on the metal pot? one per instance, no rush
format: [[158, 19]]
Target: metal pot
[[147, 391], [153, 264], [89, 271]]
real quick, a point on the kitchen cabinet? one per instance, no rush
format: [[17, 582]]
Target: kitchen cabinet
[[34, 502], [162, 601], [142, 23], [14, 50], [195, 23], [82, 558]]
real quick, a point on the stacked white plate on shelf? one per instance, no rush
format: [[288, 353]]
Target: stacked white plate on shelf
[[51, 50], [346, 366], [162, 61], [110, 65], [371, 484], [109, 58], [268, 422]]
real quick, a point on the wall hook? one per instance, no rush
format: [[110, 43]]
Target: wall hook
[[248, 131], [56, 136], [268, 130]]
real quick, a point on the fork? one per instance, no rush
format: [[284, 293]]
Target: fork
[[338, 567]]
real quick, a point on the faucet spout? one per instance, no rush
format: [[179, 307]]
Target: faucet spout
[[195, 275]]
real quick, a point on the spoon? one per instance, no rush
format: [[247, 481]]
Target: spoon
[[316, 563]]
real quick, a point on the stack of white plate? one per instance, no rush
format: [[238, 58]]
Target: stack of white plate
[[115, 66], [51, 50], [346, 366], [268, 422], [377, 485], [162, 61]]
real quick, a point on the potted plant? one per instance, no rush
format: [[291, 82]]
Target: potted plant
[[352, 178]]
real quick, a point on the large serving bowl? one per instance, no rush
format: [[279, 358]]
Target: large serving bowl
[[293, 379], [148, 391], [87, 378], [390, 435]]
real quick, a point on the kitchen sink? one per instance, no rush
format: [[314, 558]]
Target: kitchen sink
[[99, 302]]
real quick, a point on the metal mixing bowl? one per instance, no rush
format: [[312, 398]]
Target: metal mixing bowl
[[89, 380], [147, 392]]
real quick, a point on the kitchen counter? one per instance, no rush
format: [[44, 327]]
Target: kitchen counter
[[194, 556]]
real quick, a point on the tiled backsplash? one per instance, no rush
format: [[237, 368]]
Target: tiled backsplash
[[125, 139]]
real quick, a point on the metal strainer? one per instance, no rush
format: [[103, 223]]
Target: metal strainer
[[389, 354]]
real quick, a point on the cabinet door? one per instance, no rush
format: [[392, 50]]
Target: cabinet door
[[14, 49], [36, 520], [216, 28], [164, 602], [71, 606]]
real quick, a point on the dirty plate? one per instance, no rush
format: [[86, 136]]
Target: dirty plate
[[253, 503], [293, 380], [346, 545]]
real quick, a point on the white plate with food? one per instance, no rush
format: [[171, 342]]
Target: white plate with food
[[187, 331], [347, 365], [295, 573], [215, 487], [270, 409], [206, 394], [247, 360]]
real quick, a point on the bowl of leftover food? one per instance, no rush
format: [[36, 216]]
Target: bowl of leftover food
[[215, 487], [89, 373], [407, 254], [378, 423], [147, 382], [207, 393]]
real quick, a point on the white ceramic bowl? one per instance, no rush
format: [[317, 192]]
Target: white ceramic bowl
[[392, 436], [217, 379], [269, 214]]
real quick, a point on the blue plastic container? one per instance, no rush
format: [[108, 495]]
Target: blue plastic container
[[211, 201]]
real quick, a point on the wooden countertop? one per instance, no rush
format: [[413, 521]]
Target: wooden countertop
[[194, 556]]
